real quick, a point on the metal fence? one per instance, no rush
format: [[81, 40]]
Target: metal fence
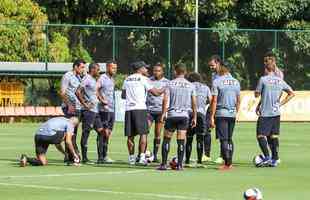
[[244, 48]]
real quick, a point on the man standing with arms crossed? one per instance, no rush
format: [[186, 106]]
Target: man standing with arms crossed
[[71, 105], [106, 96], [134, 91], [154, 106], [179, 99]]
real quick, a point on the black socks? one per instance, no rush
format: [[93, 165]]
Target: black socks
[[181, 149], [263, 144], [165, 148]]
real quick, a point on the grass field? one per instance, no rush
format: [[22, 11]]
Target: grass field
[[290, 181]]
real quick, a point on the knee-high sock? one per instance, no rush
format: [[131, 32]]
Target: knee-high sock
[[231, 150], [156, 145], [207, 144], [275, 148], [188, 146], [105, 146], [200, 139], [263, 144], [225, 151], [165, 148], [181, 150], [84, 141], [100, 146]]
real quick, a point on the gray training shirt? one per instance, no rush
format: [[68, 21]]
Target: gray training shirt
[[180, 92], [203, 92], [226, 88], [54, 125], [69, 83], [89, 84], [106, 87], [270, 87], [154, 103]]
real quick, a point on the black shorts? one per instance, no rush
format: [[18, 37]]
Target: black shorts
[[154, 116], [107, 119], [136, 123], [201, 126], [224, 127], [77, 113], [176, 123], [91, 120], [42, 142], [268, 126]]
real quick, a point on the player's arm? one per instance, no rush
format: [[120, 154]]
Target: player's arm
[[68, 140], [257, 94], [194, 109], [80, 95], [100, 97], [60, 148], [63, 95], [123, 96], [164, 107], [238, 102], [213, 110], [289, 96]]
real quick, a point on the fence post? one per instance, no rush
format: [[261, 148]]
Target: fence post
[[223, 46], [46, 47], [168, 71], [114, 43]]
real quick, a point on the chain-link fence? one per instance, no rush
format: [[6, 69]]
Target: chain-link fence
[[244, 48]]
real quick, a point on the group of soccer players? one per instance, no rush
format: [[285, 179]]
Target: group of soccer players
[[184, 105]]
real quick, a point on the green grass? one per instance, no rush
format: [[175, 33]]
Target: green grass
[[289, 181]]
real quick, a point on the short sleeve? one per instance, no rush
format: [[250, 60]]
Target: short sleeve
[[146, 83], [70, 128], [286, 87], [193, 93], [64, 83], [259, 87], [214, 89]]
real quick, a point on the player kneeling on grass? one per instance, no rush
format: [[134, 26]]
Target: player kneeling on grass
[[181, 95], [270, 89], [203, 96], [54, 131], [224, 107]]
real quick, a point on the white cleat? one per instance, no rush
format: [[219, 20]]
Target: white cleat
[[219, 160], [132, 159]]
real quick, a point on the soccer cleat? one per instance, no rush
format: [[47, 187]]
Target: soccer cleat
[[108, 160], [23, 160], [142, 162], [273, 163], [162, 167], [206, 159], [132, 160], [179, 168], [219, 160], [225, 167], [86, 161], [200, 165], [266, 162]]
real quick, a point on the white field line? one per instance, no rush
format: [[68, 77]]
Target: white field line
[[152, 195], [74, 174]]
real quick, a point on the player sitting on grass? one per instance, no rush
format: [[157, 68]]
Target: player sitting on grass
[[203, 97], [270, 89], [54, 131], [154, 106], [224, 107], [181, 95]]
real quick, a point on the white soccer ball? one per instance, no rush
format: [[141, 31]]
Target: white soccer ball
[[253, 194], [149, 156], [258, 160]]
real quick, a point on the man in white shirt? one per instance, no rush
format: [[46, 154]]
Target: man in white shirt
[[135, 89]]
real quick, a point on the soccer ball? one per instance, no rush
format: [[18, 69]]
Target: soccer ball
[[174, 163], [149, 156], [253, 194], [258, 160]]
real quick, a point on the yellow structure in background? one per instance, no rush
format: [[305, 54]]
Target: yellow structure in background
[[11, 93]]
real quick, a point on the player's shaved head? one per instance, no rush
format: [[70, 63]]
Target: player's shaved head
[[180, 69]]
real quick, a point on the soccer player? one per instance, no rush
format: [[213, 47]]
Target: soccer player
[[135, 89], [214, 63], [53, 131], [106, 96], [179, 99], [224, 107], [203, 98], [87, 94], [154, 106], [71, 105], [270, 89]]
